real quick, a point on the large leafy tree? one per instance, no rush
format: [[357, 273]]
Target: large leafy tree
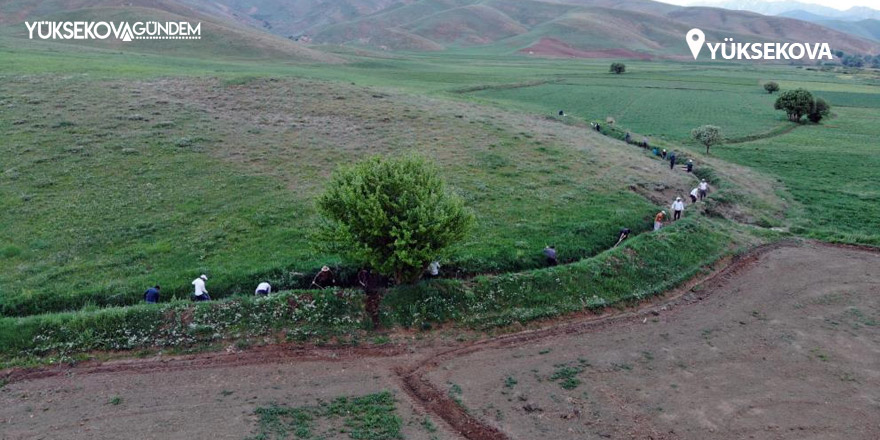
[[393, 215], [708, 135], [796, 103]]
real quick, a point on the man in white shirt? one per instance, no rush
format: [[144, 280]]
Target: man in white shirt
[[200, 294], [263, 289], [434, 269], [694, 193], [704, 189], [677, 208]]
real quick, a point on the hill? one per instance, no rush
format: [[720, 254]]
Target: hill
[[580, 28], [868, 28], [750, 26], [787, 7], [220, 37], [639, 29]]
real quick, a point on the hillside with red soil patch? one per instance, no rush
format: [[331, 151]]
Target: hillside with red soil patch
[[553, 48]]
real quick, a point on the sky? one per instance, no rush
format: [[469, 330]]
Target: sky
[[837, 4]]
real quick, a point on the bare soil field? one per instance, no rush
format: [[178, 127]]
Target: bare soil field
[[207, 397], [786, 349], [784, 344]]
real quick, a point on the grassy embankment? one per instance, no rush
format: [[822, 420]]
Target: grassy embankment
[[644, 266]]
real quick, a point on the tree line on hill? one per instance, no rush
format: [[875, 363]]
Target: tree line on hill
[[857, 60]]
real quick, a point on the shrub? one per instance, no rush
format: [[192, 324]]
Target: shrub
[[771, 87], [178, 324], [820, 110], [617, 68]]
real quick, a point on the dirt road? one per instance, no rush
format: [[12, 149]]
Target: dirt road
[[785, 345]]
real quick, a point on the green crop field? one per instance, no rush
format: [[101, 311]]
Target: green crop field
[[120, 171], [830, 170]]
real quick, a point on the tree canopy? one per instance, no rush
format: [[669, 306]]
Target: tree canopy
[[393, 215], [708, 135], [796, 103]]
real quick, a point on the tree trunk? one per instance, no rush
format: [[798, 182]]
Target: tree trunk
[[371, 305]]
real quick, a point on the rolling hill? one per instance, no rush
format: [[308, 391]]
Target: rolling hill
[[639, 28], [867, 28], [554, 28], [221, 37]]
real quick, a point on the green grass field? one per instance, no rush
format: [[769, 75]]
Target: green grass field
[[112, 185], [120, 171], [828, 169], [831, 172]]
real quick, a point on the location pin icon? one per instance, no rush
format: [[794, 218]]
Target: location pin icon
[[695, 39]]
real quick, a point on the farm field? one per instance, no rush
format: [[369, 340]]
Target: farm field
[[780, 350], [758, 350], [827, 168]]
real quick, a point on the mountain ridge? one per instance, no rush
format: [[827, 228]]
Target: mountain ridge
[[642, 29]]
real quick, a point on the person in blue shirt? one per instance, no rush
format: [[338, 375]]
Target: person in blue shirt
[[152, 294], [550, 253]]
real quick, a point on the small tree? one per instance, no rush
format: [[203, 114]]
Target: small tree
[[795, 102], [618, 68], [707, 135], [820, 110], [771, 87], [392, 215]]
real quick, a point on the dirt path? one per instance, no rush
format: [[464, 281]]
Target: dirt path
[[782, 344]]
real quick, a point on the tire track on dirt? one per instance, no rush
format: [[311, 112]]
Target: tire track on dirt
[[254, 356]]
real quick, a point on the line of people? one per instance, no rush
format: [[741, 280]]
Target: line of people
[[662, 153], [698, 193], [324, 278]]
